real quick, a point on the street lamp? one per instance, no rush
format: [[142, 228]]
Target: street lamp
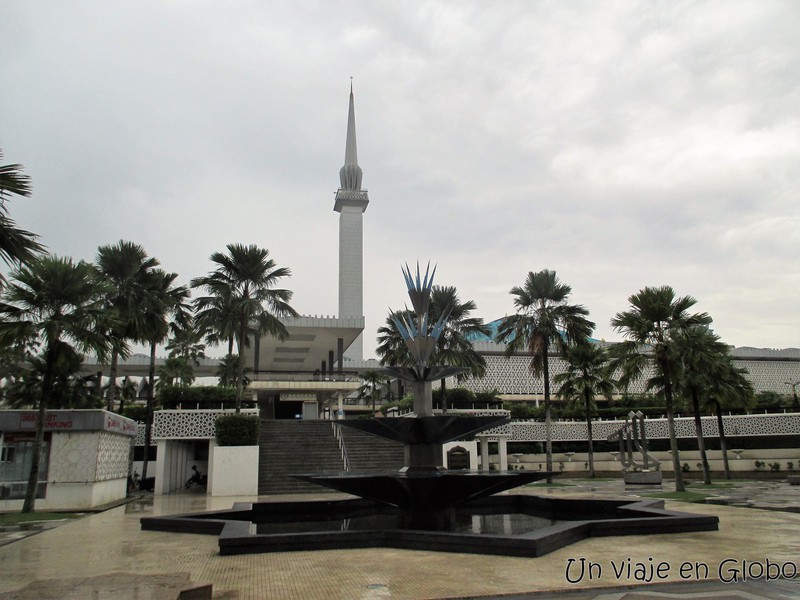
[[794, 385]]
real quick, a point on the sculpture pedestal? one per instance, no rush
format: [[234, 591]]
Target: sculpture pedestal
[[423, 458], [642, 477]]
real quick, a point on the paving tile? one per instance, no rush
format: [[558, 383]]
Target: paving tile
[[112, 542]]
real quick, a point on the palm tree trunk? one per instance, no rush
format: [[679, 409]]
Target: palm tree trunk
[[701, 443], [148, 419], [239, 366], [548, 425], [680, 486], [112, 387], [29, 503], [723, 445], [588, 400]]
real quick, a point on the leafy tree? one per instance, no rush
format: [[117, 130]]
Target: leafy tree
[[770, 401], [654, 318], [246, 278], [17, 246], [587, 375], [519, 410], [129, 272], [53, 306], [544, 319]]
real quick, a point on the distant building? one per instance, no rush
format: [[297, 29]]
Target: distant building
[[769, 370]]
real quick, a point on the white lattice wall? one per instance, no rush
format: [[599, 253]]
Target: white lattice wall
[[89, 457], [736, 425], [113, 454], [187, 424]]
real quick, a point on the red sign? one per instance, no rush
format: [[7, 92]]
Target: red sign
[[27, 420]]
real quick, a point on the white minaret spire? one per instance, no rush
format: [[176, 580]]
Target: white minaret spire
[[351, 202]]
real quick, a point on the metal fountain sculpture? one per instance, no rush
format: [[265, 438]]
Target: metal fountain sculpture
[[423, 488], [423, 506]]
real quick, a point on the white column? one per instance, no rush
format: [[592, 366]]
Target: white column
[[485, 453], [502, 448], [162, 470], [212, 444], [340, 409]]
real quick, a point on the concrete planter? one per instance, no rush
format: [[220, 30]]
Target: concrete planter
[[642, 477], [233, 471]]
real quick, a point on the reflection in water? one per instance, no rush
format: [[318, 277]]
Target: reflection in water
[[463, 522], [140, 505]]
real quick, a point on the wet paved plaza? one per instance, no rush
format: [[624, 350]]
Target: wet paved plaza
[[106, 555]]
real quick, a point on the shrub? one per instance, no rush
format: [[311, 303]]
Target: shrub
[[236, 430], [137, 413]]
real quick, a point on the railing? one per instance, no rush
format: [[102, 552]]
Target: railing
[[337, 433], [302, 375]]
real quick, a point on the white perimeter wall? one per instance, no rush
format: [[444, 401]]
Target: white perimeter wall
[[233, 470]]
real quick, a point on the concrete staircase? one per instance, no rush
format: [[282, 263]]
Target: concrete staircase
[[290, 447], [367, 452]]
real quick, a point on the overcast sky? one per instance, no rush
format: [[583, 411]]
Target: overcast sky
[[621, 144]]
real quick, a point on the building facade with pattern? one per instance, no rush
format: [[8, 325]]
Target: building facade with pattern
[[769, 370]]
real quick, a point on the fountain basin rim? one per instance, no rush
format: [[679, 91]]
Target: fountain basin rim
[[647, 516]]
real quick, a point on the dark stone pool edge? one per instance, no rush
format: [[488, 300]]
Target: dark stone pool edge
[[641, 517]]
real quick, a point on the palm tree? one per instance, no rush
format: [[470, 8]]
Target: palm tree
[[372, 387], [727, 386], [587, 375], [248, 278], [700, 355], [391, 349], [17, 246], [175, 371], [53, 305], [544, 319], [127, 392], [163, 300], [650, 325], [215, 314], [185, 343], [229, 372], [127, 268], [68, 390], [453, 347]]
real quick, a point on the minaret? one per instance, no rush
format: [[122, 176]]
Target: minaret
[[351, 202]]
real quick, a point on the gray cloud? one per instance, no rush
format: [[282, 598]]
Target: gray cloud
[[622, 144]]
